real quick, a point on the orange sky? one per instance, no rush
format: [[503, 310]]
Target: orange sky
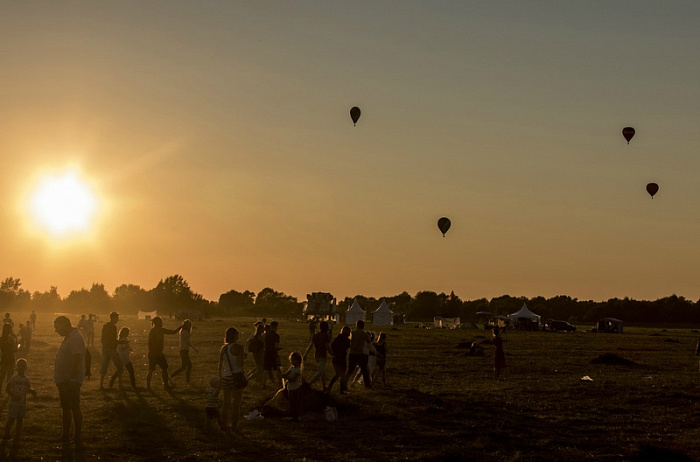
[[217, 138]]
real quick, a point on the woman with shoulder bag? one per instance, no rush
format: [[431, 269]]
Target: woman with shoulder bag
[[232, 377]]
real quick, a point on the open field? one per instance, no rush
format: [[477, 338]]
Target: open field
[[440, 405]]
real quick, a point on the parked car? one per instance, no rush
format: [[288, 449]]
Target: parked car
[[555, 325]]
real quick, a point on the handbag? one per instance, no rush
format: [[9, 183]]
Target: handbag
[[239, 379]]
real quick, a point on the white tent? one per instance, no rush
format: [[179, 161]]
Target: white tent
[[525, 313], [354, 314], [383, 316]]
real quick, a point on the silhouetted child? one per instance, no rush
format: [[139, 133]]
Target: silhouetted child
[[17, 387], [213, 413], [293, 383]]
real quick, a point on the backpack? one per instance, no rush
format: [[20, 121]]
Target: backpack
[[254, 345]]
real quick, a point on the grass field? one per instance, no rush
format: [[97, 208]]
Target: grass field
[[439, 405]]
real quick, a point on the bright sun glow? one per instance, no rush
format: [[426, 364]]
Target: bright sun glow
[[63, 204]]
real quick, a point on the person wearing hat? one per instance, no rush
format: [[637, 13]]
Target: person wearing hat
[[109, 349], [156, 341]]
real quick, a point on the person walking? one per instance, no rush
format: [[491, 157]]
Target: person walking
[[124, 350], [499, 357], [110, 342], [156, 342], [339, 349], [359, 354], [8, 348], [232, 379], [69, 372], [321, 342], [185, 345]]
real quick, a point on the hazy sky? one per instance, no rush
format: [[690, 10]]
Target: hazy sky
[[216, 136]]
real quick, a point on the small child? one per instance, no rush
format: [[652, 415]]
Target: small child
[[213, 414], [293, 382], [17, 387]]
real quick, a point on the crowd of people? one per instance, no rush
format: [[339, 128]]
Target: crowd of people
[[357, 356]]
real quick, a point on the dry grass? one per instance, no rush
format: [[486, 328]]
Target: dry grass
[[440, 405]]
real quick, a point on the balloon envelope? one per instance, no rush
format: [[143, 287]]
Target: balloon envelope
[[355, 114], [628, 133], [652, 188], [444, 224]]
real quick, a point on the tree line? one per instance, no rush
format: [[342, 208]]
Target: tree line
[[173, 295]]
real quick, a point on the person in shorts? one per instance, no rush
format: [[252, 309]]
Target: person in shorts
[[17, 388]]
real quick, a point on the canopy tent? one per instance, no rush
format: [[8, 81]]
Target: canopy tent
[[147, 315], [383, 316], [525, 313], [354, 314], [609, 325]]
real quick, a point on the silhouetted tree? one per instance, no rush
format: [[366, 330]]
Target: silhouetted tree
[[130, 298], [234, 302], [173, 295], [47, 301], [269, 302]]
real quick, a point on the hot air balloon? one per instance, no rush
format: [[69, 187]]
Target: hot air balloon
[[355, 115], [652, 188], [444, 224], [628, 133]]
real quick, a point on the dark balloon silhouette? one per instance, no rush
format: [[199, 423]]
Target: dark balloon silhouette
[[355, 115], [652, 188], [444, 224], [628, 133]]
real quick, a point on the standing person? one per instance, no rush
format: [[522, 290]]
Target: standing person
[[256, 346], [8, 347], [312, 326], [8, 320], [271, 360], [32, 318], [92, 319], [22, 337], [339, 348], [28, 331], [321, 342], [124, 351], [83, 326], [109, 349], [17, 387], [68, 376], [185, 345], [381, 349], [293, 382], [156, 342], [499, 355], [232, 377], [359, 354]]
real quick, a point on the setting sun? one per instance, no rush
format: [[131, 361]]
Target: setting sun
[[63, 203]]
